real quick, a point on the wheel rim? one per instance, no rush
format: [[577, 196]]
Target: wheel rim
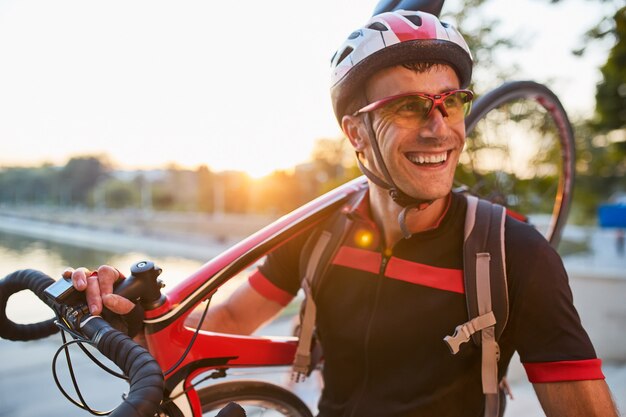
[[519, 154]]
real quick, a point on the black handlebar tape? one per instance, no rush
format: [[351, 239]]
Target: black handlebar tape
[[145, 375], [25, 279]]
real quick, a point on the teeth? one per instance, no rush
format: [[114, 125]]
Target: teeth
[[428, 159]]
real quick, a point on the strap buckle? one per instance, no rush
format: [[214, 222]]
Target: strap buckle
[[464, 332], [460, 336]]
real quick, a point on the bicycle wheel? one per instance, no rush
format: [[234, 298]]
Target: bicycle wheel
[[258, 398], [520, 153]]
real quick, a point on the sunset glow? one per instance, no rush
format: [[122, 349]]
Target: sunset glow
[[154, 83]]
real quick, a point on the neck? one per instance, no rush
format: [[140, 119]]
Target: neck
[[386, 212]]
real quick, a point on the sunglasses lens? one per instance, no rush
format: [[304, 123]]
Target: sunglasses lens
[[457, 105], [409, 111]]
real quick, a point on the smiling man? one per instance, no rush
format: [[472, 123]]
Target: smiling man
[[385, 303]]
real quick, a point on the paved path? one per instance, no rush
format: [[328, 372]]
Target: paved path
[[598, 279], [27, 388]]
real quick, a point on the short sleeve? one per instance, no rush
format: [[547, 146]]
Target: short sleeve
[[546, 329], [278, 277]]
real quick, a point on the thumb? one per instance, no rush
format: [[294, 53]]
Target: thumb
[[117, 303]]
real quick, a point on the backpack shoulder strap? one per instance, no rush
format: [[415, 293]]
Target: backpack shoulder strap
[[484, 272], [316, 256], [484, 237], [486, 291]]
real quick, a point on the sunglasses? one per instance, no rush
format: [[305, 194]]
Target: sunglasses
[[412, 109]]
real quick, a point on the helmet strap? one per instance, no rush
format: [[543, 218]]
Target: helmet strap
[[400, 197], [397, 195]]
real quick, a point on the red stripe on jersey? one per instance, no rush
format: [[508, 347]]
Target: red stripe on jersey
[[581, 370], [361, 259], [267, 289], [426, 275]]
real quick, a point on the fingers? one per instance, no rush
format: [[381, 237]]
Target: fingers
[[117, 303], [107, 276], [79, 277], [97, 285], [93, 294]]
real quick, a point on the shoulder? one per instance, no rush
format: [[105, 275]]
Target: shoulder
[[533, 266], [523, 240]]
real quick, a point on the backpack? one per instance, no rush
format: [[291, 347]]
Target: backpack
[[484, 272]]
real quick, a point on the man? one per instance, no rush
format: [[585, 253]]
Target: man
[[386, 302]]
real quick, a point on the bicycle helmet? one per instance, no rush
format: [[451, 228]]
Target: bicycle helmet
[[388, 39], [395, 38]]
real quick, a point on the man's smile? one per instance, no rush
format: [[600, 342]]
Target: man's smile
[[428, 158]]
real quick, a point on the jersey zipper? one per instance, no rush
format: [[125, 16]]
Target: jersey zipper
[[366, 341]]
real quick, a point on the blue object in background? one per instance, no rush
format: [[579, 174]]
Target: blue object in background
[[612, 215]]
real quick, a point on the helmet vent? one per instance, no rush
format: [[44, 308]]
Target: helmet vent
[[416, 20], [378, 26], [344, 54], [355, 34]]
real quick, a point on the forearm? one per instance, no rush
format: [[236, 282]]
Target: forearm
[[244, 312], [218, 319], [576, 399]]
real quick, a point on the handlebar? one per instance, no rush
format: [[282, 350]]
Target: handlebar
[[145, 377], [26, 279], [144, 373]]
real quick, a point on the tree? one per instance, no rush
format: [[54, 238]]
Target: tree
[[611, 92], [206, 189], [79, 177]]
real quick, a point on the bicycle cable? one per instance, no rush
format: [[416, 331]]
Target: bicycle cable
[[79, 340], [82, 404], [192, 341], [95, 360]]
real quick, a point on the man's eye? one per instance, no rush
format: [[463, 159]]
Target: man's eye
[[453, 101], [413, 106]]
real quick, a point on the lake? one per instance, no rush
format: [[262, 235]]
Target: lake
[[17, 252]]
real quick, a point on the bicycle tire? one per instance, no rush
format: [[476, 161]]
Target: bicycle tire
[[259, 397], [535, 110]]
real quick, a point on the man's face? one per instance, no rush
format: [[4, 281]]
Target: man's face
[[421, 159]]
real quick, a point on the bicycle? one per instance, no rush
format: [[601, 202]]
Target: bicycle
[[185, 357]]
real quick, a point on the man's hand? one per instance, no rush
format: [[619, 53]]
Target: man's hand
[[98, 287]]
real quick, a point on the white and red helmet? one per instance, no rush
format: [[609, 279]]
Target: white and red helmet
[[395, 38]]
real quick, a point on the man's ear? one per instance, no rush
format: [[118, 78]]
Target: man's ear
[[352, 127]]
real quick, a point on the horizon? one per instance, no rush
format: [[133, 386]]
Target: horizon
[[155, 83]]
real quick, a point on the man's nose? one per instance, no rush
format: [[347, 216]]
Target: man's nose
[[435, 125]]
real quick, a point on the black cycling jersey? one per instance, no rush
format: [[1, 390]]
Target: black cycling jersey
[[382, 317]]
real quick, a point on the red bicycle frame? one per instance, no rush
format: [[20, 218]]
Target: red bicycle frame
[[168, 338]]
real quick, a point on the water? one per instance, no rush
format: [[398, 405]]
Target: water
[[25, 371], [18, 252]]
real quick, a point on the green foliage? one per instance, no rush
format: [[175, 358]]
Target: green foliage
[[611, 92], [484, 40], [118, 194], [78, 178], [69, 185]]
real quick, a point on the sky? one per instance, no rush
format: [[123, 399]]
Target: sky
[[243, 87]]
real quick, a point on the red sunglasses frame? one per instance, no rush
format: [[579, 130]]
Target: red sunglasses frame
[[436, 99]]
